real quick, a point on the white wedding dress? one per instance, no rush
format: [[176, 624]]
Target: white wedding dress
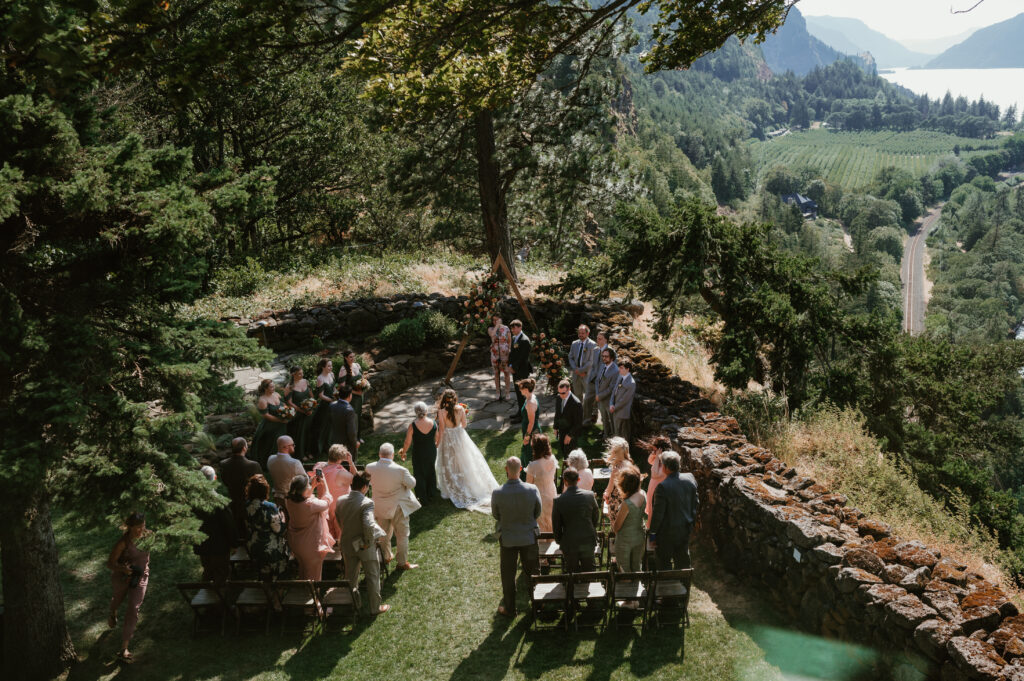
[[463, 475]]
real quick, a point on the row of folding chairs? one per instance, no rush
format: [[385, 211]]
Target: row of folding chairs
[[248, 601], [241, 566], [604, 552], [595, 599]]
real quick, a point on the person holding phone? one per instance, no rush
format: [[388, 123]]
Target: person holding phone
[[308, 534], [129, 566], [337, 471]]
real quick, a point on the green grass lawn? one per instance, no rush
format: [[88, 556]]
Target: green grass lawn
[[443, 624]]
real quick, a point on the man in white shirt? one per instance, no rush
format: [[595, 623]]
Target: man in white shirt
[[394, 501], [282, 468]]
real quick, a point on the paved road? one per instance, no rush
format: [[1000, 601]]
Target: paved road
[[913, 276]]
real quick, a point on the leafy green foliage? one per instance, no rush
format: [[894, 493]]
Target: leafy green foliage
[[438, 328], [404, 336]]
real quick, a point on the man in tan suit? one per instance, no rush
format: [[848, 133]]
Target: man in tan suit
[[359, 536], [394, 500]]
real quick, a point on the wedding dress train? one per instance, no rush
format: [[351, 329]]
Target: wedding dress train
[[463, 475]]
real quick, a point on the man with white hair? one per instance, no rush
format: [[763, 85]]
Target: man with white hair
[[393, 502], [282, 468], [673, 516], [516, 506]]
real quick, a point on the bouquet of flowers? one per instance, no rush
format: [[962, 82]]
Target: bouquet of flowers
[[286, 412], [464, 408], [549, 353], [483, 300], [308, 404]]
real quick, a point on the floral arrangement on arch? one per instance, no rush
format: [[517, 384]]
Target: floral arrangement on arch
[[549, 353], [483, 301]]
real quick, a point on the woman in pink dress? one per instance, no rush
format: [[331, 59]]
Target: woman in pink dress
[[308, 536], [655, 447], [129, 566], [541, 472], [501, 344], [338, 471]]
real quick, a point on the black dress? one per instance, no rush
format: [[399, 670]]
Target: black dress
[[424, 458]]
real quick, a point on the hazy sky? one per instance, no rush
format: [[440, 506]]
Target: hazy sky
[[916, 19]]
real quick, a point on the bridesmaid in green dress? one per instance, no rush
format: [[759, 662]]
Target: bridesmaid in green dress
[[298, 391], [271, 426], [530, 414], [320, 430]]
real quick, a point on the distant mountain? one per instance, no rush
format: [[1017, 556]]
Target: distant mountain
[[996, 46], [853, 36], [792, 48], [936, 45]]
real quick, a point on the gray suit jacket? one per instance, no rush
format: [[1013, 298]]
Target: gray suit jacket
[[574, 518], [354, 513], [575, 362], [622, 397], [605, 380], [595, 365], [516, 507], [344, 426], [675, 510]]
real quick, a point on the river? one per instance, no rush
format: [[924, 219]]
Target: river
[[1002, 86]]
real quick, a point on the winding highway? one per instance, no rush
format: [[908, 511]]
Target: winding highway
[[915, 282]]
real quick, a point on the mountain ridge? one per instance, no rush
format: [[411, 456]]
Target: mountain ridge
[[854, 36], [992, 47]]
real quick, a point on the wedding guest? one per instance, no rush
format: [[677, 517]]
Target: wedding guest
[[219, 527], [515, 506], [235, 472], [296, 392], [422, 438], [628, 524], [338, 471], [604, 382], [620, 404], [574, 518], [530, 416], [568, 419], [617, 458], [501, 344], [267, 541], [308, 536], [394, 502], [129, 567], [519, 360], [344, 421], [541, 473], [283, 467], [350, 371], [320, 432], [590, 395], [581, 358], [577, 461], [675, 512], [656, 446], [362, 533], [361, 386], [271, 426]]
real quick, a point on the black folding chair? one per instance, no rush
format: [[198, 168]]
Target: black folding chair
[[249, 598], [589, 601], [338, 600], [670, 595], [206, 600], [630, 597], [549, 600], [297, 596]]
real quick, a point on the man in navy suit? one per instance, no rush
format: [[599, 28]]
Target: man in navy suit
[[673, 516], [344, 421], [519, 360]]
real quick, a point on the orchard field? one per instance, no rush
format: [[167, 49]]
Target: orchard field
[[851, 159]]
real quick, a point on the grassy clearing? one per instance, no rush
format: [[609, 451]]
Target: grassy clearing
[[442, 626], [246, 290], [851, 159], [832, 446]]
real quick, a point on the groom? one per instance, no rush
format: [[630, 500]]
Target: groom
[[516, 507], [519, 360]]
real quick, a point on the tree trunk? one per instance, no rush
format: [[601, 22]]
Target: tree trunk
[[493, 208], [36, 641]]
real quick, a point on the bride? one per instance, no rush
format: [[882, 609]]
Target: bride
[[463, 475]]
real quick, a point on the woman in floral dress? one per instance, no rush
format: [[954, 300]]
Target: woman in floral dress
[[268, 533], [501, 343]]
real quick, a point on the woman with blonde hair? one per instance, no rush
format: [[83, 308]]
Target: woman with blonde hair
[[617, 458], [541, 472], [338, 471]]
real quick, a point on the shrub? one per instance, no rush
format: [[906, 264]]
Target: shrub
[[403, 337], [241, 280], [437, 328]]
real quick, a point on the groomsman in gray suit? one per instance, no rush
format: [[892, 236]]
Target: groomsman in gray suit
[[620, 405], [590, 397], [581, 357], [516, 507], [604, 382]]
